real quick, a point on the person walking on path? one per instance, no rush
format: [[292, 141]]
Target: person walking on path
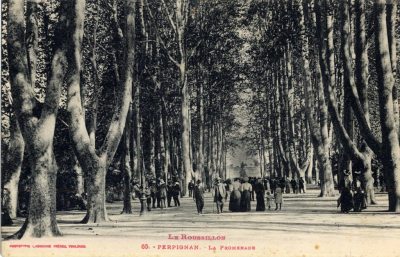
[[346, 195], [153, 193], [260, 192], [278, 198], [170, 192], [219, 193], [301, 185], [176, 191], [252, 182], [234, 203], [287, 185], [146, 194], [282, 184], [163, 193], [245, 188], [198, 193], [360, 202], [273, 185], [266, 184], [191, 187], [293, 184], [269, 200], [228, 188]]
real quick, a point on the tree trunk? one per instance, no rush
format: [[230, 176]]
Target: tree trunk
[[38, 133], [200, 109], [13, 164], [127, 165], [95, 162], [319, 132], [152, 145], [76, 167], [96, 181], [391, 14], [390, 138], [138, 136], [41, 220], [361, 73]]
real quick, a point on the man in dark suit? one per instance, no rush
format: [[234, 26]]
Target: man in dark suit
[[170, 192], [198, 196], [191, 187], [176, 191]]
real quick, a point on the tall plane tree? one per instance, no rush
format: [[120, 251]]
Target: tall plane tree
[[390, 137], [37, 120], [95, 162]]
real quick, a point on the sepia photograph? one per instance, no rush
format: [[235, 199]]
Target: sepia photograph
[[200, 128]]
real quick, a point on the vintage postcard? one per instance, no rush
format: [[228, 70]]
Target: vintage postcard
[[200, 128]]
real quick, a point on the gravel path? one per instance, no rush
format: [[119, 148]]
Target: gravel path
[[306, 226]]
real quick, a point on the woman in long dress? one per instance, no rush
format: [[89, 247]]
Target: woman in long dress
[[246, 188], [360, 202], [278, 198], [234, 201], [346, 194], [229, 188], [260, 192]]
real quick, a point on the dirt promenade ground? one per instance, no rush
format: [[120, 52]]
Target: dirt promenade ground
[[306, 226]]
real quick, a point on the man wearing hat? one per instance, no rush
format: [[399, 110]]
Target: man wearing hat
[[163, 193], [146, 194], [170, 192], [176, 191], [191, 187], [153, 192], [219, 193], [198, 196]]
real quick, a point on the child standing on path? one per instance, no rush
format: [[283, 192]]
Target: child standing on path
[[278, 198], [269, 200]]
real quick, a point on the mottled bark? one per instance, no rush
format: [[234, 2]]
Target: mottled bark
[[200, 110], [391, 14], [12, 165], [37, 128], [319, 131], [80, 176], [32, 38], [361, 72], [96, 162], [127, 172], [390, 138]]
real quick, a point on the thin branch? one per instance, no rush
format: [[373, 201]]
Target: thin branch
[[169, 16], [66, 124], [194, 50], [159, 38]]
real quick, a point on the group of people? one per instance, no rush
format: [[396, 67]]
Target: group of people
[[352, 193], [159, 194], [239, 192], [285, 184]]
